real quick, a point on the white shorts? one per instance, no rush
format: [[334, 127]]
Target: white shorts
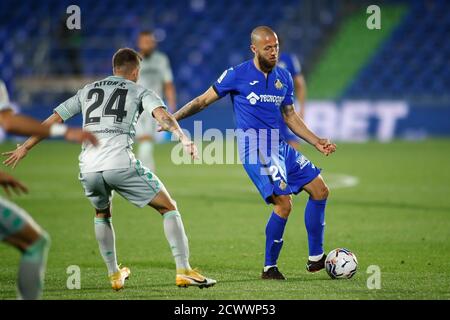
[[13, 219], [137, 184]]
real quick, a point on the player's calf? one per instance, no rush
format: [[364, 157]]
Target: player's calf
[[178, 242], [315, 223], [34, 245]]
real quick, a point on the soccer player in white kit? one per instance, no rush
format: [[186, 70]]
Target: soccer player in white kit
[[17, 227], [110, 108], [156, 75]]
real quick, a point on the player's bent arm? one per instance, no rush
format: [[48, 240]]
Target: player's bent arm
[[298, 126], [168, 123], [197, 105]]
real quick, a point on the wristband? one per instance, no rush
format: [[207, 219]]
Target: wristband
[[58, 130]]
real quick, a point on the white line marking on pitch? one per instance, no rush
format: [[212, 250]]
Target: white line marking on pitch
[[340, 180]]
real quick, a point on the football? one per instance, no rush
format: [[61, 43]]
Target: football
[[341, 263]]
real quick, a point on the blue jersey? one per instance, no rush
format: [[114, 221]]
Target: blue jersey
[[257, 103], [290, 63], [257, 100]]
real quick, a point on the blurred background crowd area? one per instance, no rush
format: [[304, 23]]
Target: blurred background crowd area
[[42, 62]]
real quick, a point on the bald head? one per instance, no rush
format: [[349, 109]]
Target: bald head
[[265, 47], [262, 33]]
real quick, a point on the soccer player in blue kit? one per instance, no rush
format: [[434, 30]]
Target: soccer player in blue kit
[[259, 91]]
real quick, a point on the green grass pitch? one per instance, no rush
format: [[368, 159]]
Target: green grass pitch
[[397, 217]]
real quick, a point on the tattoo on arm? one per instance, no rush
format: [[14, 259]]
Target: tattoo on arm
[[190, 109], [288, 110], [167, 122]]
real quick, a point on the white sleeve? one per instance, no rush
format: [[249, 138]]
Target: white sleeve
[[70, 107], [4, 97], [150, 101]]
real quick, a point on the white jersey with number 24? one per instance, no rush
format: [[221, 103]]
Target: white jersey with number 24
[[110, 110]]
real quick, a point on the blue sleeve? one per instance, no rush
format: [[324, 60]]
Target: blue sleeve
[[289, 98], [226, 83]]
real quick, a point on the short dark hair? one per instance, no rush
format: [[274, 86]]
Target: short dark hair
[[126, 59]]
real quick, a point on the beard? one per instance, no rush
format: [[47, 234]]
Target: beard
[[266, 64]]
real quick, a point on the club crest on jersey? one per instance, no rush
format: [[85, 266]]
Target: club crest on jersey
[[283, 185], [278, 84]]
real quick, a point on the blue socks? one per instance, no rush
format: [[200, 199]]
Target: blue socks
[[274, 238], [315, 225]]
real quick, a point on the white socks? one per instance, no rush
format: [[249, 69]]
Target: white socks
[[268, 267], [145, 154], [174, 230], [32, 269], [104, 233], [316, 258]]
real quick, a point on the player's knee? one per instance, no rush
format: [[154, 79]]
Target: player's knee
[[38, 248], [45, 239], [321, 193], [283, 207], [170, 205]]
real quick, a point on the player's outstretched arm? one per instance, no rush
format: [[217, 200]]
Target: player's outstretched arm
[[197, 105], [50, 127], [22, 125], [168, 123], [298, 126]]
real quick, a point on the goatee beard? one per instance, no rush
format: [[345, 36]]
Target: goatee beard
[[265, 65]]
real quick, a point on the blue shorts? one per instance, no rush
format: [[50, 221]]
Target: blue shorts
[[282, 174]]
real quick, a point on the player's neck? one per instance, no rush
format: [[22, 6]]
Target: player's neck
[[126, 77], [260, 67]]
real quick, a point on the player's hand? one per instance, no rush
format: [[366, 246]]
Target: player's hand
[[325, 146], [191, 149], [15, 156], [79, 136], [9, 182]]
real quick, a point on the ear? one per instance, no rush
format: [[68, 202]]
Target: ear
[[253, 48], [136, 73]]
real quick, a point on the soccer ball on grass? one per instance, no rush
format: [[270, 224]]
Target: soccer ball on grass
[[341, 263]]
